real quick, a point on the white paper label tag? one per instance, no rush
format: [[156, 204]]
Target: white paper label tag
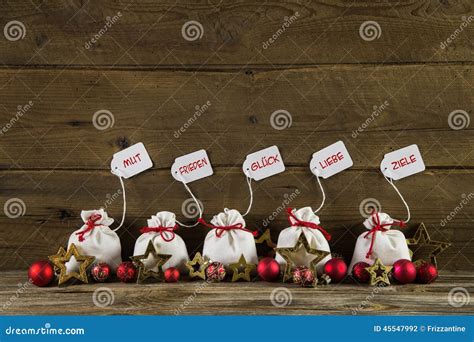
[[131, 161], [263, 163], [191, 167], [402, 163], [331, 160]]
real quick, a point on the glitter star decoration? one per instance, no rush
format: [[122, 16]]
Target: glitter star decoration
[[421, 240], [379, 273], [150, 264], [265, 240], [197, 266], [60, 259], [298, 256], [241, 269]]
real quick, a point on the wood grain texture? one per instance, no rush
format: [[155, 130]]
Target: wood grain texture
[[200, 298], [149, 33]]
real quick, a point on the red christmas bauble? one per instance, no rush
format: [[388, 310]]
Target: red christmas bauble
[[404, 271], [268, 269], [360, 273], [171, 275], [303, 276], [215, 271], [41, 273], [426, 273], [336, 269], [100, 272], [127, 272]]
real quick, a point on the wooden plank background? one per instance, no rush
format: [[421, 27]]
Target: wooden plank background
[[151, 79]]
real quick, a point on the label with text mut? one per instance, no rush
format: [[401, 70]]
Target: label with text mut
[[330, 160], [131, 161], [402, 163], [263, 163], [191, 167]]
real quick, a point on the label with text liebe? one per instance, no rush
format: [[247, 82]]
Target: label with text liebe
[[131, 161], [263, 163], [330, 160], [192, 166], [402, 163]]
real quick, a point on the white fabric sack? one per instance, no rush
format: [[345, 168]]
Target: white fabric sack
[[231, 244], [165, 242], [389, 246], [100, 242], [289, 236]]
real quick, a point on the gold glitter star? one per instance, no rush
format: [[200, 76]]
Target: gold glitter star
[[422, 239], [297, 256], [379, 273], [241, 269], [200, 271], [158, 260], [60, 259]]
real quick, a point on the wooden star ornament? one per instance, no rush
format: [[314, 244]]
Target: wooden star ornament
[[266, 243], [422, 239], [297, 256], [379, 273], [197, 266], [60, 259], [157, 260], [241, 269]]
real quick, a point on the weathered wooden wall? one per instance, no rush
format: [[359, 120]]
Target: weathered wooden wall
[[151, 79]]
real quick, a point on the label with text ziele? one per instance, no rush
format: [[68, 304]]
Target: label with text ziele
[[330, 160], [402, 163], [131, 161], [191, 167], [263, 163]]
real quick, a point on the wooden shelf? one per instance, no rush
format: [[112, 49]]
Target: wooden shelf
[[201, 298]]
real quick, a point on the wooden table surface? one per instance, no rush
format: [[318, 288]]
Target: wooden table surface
[[201, 298]]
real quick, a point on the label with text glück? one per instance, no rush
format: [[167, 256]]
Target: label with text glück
[[263, 163], [131, 161], [191, 167], [330, 160], [402, 163]]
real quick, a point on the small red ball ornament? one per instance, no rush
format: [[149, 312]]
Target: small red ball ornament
[[426, 273], [215, 271], [171, 275], [101, 272], [404, 271], [336, 269], [360, 273], [127, 272], [268, 269], [303, 276], [41, 273]]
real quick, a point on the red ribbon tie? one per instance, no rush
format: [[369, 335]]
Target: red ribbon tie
[[90, 224], [222, 229], [162, 231], [295, 222]]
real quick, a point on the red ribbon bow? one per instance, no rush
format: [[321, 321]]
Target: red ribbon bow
[[161, 230], [379, 227], [295, 222], [91, 223], [221, 229]]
